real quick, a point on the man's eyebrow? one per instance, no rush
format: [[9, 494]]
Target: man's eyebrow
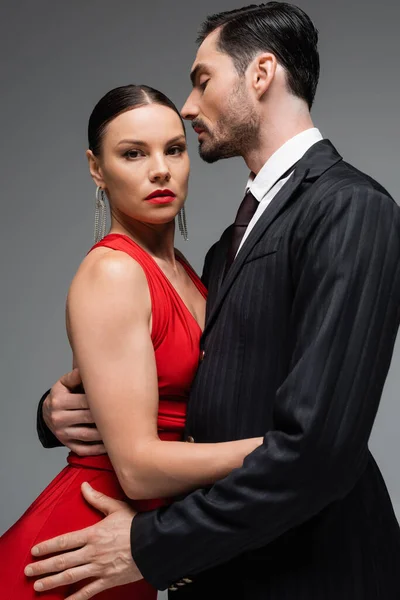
[[195, 73]]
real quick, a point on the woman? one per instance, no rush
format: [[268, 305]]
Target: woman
[[135, 312]]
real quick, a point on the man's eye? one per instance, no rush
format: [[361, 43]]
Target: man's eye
[[204, 84]]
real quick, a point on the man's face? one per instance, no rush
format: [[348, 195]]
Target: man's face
[[220, 106]]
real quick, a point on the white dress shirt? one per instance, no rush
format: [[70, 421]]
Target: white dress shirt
[[267, 184]]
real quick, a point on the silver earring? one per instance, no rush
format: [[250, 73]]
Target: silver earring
[[100, 215], [182, 223]]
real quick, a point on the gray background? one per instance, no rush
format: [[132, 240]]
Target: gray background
[[56, 60]]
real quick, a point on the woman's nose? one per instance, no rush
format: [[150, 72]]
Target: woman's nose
[[160, 172]]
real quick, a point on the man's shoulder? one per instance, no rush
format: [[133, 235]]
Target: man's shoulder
[[225, 234], [363, 179], [343, 180]]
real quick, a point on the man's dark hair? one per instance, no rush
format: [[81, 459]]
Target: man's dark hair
[[277, 27]]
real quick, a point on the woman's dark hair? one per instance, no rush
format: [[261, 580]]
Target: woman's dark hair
[[277, 27], [117, 101]]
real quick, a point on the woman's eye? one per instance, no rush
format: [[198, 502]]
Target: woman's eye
[[132, 154], [176, 150]]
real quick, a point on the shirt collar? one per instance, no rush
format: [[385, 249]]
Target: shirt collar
[[282, 160]]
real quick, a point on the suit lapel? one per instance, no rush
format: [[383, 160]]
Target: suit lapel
[[314, 163], [217, 270]]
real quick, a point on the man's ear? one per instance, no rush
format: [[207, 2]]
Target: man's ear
[[95, 169], [263, 72]]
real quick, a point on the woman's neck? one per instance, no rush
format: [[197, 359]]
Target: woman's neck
[[157, 240]]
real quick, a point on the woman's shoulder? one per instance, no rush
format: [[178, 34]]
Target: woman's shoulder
[[113, 270]]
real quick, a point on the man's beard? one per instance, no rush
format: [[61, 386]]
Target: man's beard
[[235, 133]]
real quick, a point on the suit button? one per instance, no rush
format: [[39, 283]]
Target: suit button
[[202, 355], [190, 439]]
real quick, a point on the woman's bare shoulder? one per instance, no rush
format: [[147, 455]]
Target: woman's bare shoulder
[[109, 280], [106, 266]]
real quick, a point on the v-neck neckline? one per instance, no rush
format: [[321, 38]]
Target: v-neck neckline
[[193, 276]]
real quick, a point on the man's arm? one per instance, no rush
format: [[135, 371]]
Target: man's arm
[[46, 436], [345, 320], [64, 418]]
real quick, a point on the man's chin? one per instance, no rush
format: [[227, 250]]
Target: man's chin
[[212, 155], [208, 157]]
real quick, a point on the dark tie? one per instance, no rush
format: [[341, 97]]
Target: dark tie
[[244, 215]]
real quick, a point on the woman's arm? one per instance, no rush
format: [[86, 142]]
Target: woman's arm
[[109, 315]]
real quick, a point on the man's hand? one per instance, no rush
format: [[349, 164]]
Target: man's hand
[[67, 415], [101, 552]]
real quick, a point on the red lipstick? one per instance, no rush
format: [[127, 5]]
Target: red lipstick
[[161, 197]]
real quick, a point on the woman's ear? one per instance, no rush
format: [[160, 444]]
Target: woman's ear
[[95, 169]]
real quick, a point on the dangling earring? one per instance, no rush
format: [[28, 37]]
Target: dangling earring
[[100, 215], [182, 223]]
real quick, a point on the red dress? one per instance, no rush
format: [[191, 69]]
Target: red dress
[[60, 508]]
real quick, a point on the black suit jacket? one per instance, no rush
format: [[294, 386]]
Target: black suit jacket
[[298, 342]]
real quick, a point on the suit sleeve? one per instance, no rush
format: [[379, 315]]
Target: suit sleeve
[[345, 316], [46, 437]]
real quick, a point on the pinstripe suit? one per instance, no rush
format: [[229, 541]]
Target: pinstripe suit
[[298, 342]]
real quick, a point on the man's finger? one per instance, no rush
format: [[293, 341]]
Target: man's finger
[[56, 564], [83, 434], [103, 503], [65, 401], [65, 578], [67, 541], [90, 590], [72, 401], [72, 379], [72, 417], [82, 449]]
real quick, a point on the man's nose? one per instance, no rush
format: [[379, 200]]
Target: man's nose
[[190, 109]]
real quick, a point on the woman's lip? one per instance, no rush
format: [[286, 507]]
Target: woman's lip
[[160, 192], [161, 199]]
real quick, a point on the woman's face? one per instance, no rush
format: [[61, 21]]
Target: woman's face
[[143, 151]]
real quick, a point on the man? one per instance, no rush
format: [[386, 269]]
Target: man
[[303, 312]]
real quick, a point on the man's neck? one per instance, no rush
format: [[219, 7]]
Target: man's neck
[[274, 134]]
